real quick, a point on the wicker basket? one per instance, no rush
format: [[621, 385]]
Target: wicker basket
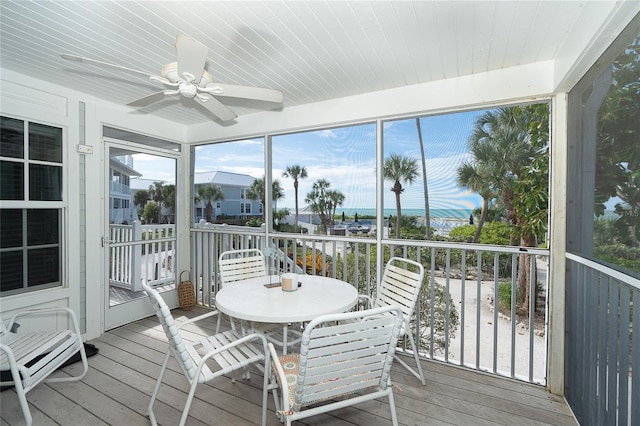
[[186, 293]]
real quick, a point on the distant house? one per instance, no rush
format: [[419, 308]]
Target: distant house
[[306, 215], [235, 204], [121, 172]]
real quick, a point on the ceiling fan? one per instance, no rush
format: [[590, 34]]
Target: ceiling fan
[[187, 77]]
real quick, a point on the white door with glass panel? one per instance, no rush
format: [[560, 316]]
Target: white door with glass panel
[[139, 238]]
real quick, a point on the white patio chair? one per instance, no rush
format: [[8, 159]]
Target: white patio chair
[[237, 265], [345, 359], [31, 356], [400, 285], [229, 350]]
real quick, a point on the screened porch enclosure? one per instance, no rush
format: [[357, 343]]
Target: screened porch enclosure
[[532, 254]]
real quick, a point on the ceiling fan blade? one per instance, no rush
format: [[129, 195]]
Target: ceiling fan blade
[[148, 100], [247, 92], [88, 61], [217, 108], [192, 56]]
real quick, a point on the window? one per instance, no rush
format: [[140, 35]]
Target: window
[[31, 218], [240, 182], [604, 172], [245, 208], [468, 176], [325, 177]]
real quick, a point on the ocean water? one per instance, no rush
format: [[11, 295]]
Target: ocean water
[[434, 213]]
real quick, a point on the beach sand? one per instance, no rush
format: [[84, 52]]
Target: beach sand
[[490, 342]]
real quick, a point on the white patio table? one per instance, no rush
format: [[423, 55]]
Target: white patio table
[[250, 300]]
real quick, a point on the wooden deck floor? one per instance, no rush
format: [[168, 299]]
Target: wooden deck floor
[[121, 377]]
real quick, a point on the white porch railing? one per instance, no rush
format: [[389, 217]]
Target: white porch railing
[[456, 321], [138, 252]]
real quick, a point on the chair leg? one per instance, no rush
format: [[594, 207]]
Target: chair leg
[[273, 385], [233, 326], [187, 405], [392, 405], [265, 386], [285, 332], [218, 323], [152, 416], [22, 398], [419, 374]]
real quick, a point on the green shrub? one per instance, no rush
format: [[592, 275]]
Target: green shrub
[[255, 222], [443, 303], [496, 233], [620, 255], [151, 211], [504, 295], [462, 234]]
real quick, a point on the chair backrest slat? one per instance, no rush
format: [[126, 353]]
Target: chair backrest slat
[[171, 331], [236, 265], [345, 353], [400, 285]]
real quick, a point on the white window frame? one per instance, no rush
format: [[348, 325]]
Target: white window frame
[[27, 204]]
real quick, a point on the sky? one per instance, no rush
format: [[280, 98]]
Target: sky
[[346, 157]]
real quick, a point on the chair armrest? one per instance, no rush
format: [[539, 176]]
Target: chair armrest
[[367, 299], [241, 341], [198, 318], [282, 379], [39, 311]]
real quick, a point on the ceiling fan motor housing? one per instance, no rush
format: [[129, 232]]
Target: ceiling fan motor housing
[[188, 90]]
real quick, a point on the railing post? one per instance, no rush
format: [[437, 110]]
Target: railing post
[[136, 276]]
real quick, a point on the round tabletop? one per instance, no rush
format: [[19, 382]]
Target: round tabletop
[[250, 300]]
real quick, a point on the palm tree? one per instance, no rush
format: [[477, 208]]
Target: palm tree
[[401, 171], [336, 198], [211, 193], [319, 201], [140, 199], [169, 197], [501, 138], [503, 141], [295, 172], [156, 194], [257, 192], [427, 214], [476, 176]]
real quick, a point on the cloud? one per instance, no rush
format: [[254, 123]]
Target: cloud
[[327, 134]]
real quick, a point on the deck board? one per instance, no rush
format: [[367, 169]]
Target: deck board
[[117, 388]]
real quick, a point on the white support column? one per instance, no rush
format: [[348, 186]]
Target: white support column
[[557, 244]]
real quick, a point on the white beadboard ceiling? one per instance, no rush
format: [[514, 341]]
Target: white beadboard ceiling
[[310, 50]]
